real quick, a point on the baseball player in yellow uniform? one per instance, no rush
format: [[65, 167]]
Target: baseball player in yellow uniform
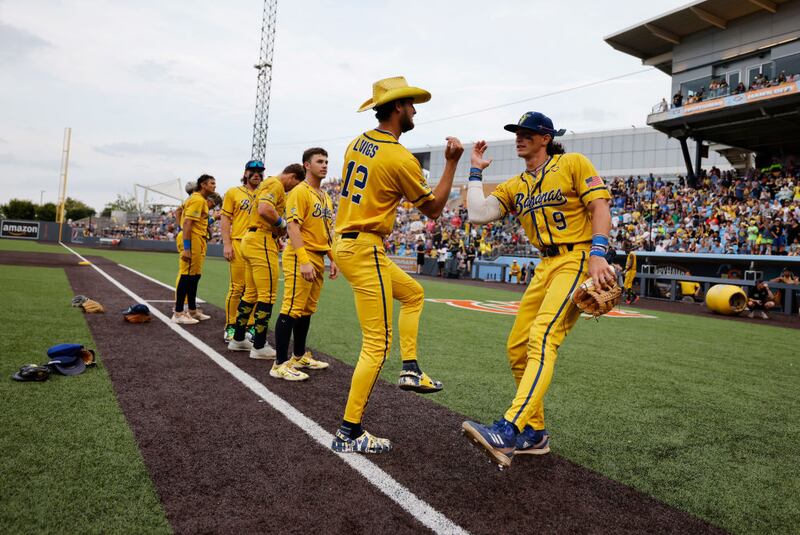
[[563, 207], [235, 218], [630, 274], [192, 249], [309, 215], [378, 173], [260, 251]]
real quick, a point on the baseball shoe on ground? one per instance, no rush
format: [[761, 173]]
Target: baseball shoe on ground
[[418, 382], [243, 345], [287, 372], [229, 332], [498, 441], [198, 315], [307, 361], [265, 353], [366, 443], [183, 318], [763, 315], [531, 442], [250, 333]]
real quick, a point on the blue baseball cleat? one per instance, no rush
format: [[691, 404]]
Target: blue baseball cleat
[[499, 441], [532, 442]]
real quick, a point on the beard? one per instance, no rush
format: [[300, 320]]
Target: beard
[[406, 123]]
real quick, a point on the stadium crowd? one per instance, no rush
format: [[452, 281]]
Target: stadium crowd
[[758, 213], [718, 87]]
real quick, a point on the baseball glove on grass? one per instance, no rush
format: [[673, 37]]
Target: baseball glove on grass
[[595, 301]]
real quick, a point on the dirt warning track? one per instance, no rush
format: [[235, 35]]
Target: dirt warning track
[[223, 460]]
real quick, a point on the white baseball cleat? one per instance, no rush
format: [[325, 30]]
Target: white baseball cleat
[[236, 345], [265, 353], [198, 315], [183, 318]]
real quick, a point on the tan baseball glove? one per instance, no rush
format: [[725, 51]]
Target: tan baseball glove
[[137, 318], [90, 306], [593, 300]]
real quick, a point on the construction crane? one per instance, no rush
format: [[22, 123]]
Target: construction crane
[[264, 67]]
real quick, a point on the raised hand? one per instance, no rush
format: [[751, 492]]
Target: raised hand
[[477, 159], [453, 150]]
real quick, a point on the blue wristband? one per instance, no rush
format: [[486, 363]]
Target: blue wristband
[[597, 252], [280, 223], [475, 173], [187, 245], [599, 239]]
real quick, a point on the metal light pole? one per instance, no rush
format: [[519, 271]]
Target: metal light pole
[[264, 67]]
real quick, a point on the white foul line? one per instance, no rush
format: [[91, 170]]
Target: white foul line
[[146, 277], [420, 510]]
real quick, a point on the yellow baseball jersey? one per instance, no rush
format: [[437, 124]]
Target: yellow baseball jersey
[[196, 209], [236, 204], [271, 191], [551, 206], [313, 211], [378, 173]]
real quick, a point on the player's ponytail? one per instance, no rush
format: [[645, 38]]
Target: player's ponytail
[[554, 148]]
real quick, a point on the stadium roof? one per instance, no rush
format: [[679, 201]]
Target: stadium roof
[[652, 41]]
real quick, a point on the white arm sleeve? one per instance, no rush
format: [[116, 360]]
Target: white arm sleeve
[[481, 209]]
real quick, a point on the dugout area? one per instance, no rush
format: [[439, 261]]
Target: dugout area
[[221, 460]]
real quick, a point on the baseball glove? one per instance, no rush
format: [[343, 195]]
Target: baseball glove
[[137, 318], [595, 301], [91, 306], [78, 300]]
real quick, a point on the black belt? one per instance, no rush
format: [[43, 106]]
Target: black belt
[[349, 235], [255, 229], [553, 250]]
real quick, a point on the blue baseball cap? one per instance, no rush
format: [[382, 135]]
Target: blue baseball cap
[[66, 359], [257, 165], [536, 122], [138, 308]]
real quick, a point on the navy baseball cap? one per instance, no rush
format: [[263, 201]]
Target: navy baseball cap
[[536, 122], [138, 308], [66, 359], [258, 165]]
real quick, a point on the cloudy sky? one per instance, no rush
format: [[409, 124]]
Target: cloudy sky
[[156, 91]]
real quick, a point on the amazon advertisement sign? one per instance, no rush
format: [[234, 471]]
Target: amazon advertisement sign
[[21, 230]]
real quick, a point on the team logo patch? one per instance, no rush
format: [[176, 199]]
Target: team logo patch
[[511, 308]]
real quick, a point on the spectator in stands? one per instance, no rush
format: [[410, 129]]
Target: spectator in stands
[[786, 277], [761, 299], [441, 258], [662, 106], [740, 88], [471, 254], [420, 256], [677, 100]]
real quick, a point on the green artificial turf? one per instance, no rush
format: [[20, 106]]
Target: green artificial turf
[[701, 413], [70, 463]]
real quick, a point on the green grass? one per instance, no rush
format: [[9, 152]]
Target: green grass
[[70, 463], [700, 413]]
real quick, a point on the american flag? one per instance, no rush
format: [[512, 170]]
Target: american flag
[[594, 181]]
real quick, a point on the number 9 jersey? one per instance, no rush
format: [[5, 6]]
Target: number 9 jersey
[[378, 172], [551, 205]]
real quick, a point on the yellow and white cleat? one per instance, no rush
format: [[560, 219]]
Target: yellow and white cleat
[[307, 361], [287, 372]]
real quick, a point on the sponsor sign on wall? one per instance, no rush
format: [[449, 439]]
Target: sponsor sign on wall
[[732, 100], [24, 230], [406, 263]]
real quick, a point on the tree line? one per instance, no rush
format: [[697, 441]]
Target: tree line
[[74, 209]]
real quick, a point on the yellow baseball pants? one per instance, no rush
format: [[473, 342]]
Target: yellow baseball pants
[[546, 314], [260, 252], [194, 266], [628, 282], [300, 297], [236, 286], [376, 281]]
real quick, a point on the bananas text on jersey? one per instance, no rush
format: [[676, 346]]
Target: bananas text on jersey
[[554, 197]]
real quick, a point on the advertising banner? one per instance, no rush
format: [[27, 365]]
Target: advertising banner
[[734, 100], [22, 230], [406, 263]]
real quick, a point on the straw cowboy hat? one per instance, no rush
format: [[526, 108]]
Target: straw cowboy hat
[[390, 89]]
